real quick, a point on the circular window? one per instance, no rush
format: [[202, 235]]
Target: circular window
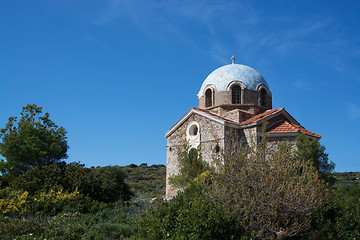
[[193, 131]]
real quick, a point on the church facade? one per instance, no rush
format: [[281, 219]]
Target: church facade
[[233, 99]]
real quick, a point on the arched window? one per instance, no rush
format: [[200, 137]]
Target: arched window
[[236, 95], [208, 98], [263, 94]]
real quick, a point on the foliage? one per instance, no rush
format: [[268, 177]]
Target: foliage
[[190, 164], [40, 179], [339, 218], [15, 202], [269, 190], [103, 184], [311, 150], [146, 181], [34, 140], [346, 179], [189, 215], [19, 203], [106, 224], [112, 184], [14, 228], [53, 202]]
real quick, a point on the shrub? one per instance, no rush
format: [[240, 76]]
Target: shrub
[[271, 192], [18, 203], [339, 218], [104, 184], [15, 203], [106, 224], [11, 228], [189, 215]]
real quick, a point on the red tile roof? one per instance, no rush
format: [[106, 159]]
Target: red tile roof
[[287, 127], [281, 127], [259, 116]]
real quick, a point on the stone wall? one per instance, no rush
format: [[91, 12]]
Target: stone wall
[[211, 134], [290, 140]]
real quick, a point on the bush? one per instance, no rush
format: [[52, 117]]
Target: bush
[[107, 224], [11, 228], [40, 179], [103, 184], [18, 203], [340, 218], [189, 215]]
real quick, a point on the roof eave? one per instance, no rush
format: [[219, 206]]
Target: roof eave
[[272, 115], [189, 114], [291, 134]]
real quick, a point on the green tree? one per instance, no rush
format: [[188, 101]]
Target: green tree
[[111, 184], [41, 179], [271, 193], [339, 218], [104, 184], [34, 140], [311, 150]]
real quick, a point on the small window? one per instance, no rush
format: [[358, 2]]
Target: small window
[[208, 98], [193, 130], [217, 148], [236, 95], [193, 154], [263, 94]]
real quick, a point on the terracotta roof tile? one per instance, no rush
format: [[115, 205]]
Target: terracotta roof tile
[[281, 127], [287, 127], [259, 116]]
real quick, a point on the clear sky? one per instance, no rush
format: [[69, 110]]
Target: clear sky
[[117, 74]]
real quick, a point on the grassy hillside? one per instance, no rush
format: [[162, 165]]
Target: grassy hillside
[[146, 181], [346, 179], [149, 181]]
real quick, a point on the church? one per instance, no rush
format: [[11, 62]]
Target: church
[[233, 98]]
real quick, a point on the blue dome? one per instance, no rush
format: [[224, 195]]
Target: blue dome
[[224, 76]]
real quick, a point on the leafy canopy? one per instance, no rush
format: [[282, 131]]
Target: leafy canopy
[[102, 184], [270, 192], [312, 151], [34, 140], [339, 218], [189, 215]]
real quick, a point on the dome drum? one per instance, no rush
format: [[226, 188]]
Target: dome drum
[[248, 97], [236, 85]]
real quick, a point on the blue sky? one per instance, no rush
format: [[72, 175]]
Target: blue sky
[[118, 74]]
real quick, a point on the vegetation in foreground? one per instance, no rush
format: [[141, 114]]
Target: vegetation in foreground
[[42, 197]]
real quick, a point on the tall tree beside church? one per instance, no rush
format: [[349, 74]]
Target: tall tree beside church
[[34, 140], [312, 151], [271, 193]]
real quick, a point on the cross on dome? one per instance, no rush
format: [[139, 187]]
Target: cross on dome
[[233, 59]]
